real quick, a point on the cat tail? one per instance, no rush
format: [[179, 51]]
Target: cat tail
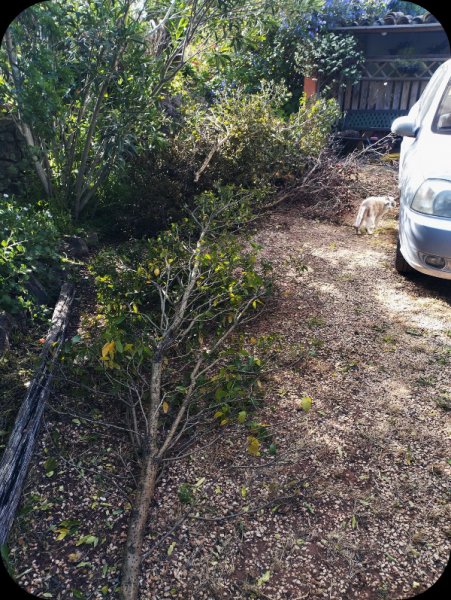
[[360, 216]]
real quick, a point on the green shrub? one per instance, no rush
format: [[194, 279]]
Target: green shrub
[[246, 139], [28, 245], [143, 199], [311, 126], [140, 286]]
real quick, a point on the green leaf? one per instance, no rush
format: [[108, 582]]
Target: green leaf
[[50, 465], [264, 578], [306, 403], [171, 548], [242, 416], [87, 539]]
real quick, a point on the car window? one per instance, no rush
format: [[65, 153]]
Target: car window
[[442, 118], [429, 93]]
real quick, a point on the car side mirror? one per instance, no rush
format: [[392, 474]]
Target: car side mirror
[[404, 126]]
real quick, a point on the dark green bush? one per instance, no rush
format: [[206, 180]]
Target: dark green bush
[[28, 246], [143, 199]]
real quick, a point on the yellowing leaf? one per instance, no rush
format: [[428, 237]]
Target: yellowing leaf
[[218, 414], [63, 531], [242, 416], [306, 403], [253, 340], [171, 548], [264, 578], [74, 556], [253, 445], [165, 407], [108, 349], [156, 271], [244, 491], [224, 422], [408, 459]]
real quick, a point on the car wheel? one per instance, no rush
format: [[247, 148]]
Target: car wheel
[[401, 265]]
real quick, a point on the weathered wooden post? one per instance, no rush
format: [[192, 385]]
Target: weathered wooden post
[[18, 453]]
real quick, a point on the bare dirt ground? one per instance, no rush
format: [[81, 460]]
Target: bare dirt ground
[[354, 502]]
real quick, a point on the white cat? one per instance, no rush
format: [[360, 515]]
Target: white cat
[[371, 212]]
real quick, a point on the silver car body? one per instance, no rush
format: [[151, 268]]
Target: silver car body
[[425, 160]]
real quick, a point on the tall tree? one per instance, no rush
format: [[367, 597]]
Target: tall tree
[[82, 79]]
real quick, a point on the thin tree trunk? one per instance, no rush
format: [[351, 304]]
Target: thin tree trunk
[[79, 204], [24, 128], [136, 529], [146, 488], [208, 159]]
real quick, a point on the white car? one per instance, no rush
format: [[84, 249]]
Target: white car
[[424, 238]]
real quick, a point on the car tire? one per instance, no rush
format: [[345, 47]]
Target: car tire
[[401, 265]]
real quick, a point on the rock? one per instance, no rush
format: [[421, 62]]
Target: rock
[[75, 246], [37, 290], [92, 239]]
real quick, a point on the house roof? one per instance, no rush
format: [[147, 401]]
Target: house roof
[[394, 21], [389, 28]]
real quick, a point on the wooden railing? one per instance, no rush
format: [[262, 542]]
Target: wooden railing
[[389, 84]]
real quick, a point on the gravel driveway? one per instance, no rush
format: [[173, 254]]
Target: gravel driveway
[[350, 500], [368, 465]]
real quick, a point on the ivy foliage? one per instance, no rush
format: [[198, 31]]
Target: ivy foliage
[[335, 59]]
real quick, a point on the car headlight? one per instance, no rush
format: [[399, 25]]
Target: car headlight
[[433, 197]]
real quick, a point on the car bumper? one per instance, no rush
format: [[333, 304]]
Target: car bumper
[[422, 236]]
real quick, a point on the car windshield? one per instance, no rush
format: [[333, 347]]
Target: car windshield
[[442, 119]]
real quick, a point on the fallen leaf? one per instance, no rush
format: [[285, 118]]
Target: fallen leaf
[[306, 403], [264, 578], [171, 548], [253, 445]]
